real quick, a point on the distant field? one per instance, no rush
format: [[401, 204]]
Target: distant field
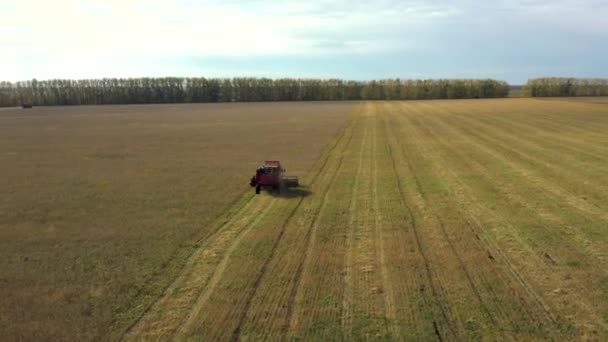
[[101, 206], [420, 220], [587, 99], [516, 91]]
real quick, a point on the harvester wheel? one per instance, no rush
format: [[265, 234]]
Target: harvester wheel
[[258, 189]]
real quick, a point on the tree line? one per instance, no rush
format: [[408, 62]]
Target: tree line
[[192, 90], [557, 86]]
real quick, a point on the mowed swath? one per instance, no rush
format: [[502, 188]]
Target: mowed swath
[[425, 220]]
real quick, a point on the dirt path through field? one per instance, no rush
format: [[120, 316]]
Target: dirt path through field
[[415, 224]]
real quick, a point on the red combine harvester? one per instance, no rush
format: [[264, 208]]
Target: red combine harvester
[[272, 175]]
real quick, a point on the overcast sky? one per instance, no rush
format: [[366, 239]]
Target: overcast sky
[[511, 40]]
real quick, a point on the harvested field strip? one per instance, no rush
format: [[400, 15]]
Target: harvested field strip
[[386, 288], [369, 305], [581, 154], [364, 312], [439, 308], [535, 162], [435, 221], [568, 222], [199, 277], [494, 150], [545, 133], [272, 312], [542, 254], [220, 316], [346, 318], [417, 311], [254, 325], [319, 298], [484, 278], [552, 189]]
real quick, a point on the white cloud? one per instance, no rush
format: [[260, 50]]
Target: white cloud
[[97, 38], [166, 28]]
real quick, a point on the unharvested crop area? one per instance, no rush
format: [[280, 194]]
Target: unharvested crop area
[[421, 220], [101, 206]]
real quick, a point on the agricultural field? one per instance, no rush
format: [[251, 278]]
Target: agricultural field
[[445, 220], [102, 205], [418, 220], [587, 99]]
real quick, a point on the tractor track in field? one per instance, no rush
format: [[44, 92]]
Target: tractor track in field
[[444, 232], [346, 315], [388, 294], [219, 271], [243, 315], [471, 226], [515, 273], [597, 130], [512, 268], [555, 141], [428, 272], [447, 238], [192, 279], [237, 332], [483, 246], [229, 221], [553, 189], [550, 189], [202, 242], [310, 237], [587, 241], [534, 147]]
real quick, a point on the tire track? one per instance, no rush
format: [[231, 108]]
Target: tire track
[[237, 332], [588, 130], [488, 284], [388, 296], [428, 273], [229, 222], [346, 318], [219, 271], [556, 190], [292, 317], [518, 277], [534, 149], [550, 190], [187, 269], [585, 241], [542, 137], [447, 238]]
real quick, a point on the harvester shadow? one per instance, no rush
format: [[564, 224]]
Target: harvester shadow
[[292, 193]]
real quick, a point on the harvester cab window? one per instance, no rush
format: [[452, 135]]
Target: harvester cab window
[[268, 170]]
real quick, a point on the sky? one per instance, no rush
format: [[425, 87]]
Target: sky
[[511, 40]]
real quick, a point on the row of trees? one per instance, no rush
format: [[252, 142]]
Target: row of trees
[[183, 90], [554, 86]]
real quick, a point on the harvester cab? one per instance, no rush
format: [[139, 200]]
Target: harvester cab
[[272, 175]]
